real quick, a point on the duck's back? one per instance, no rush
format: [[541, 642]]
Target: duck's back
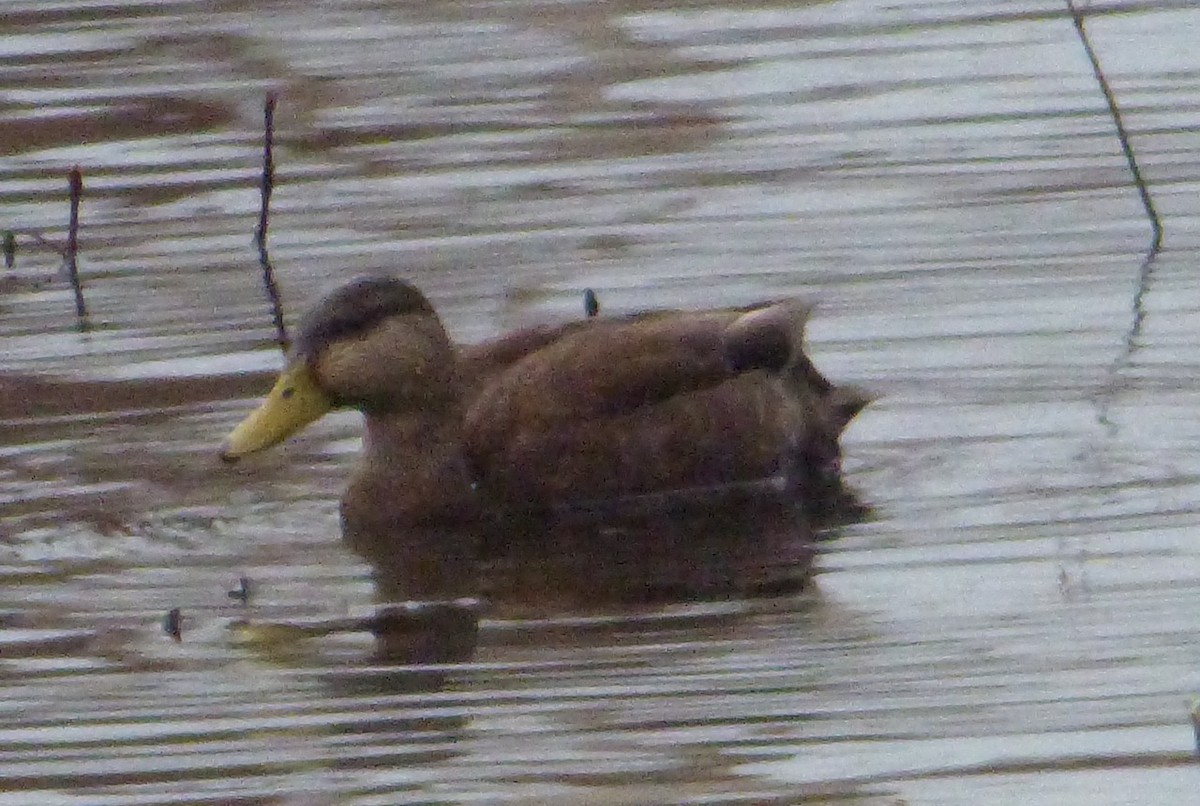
[[609, 408]]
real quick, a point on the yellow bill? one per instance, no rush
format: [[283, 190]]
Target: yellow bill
[[294, 402]]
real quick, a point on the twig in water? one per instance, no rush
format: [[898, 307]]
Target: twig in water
[[10, 249], [1194, 708], [1122, 133], [71, 255], [264, 215]]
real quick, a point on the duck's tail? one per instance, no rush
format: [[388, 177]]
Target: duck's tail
[[770, 337]]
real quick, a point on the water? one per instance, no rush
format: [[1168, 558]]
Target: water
[[1013, 625]]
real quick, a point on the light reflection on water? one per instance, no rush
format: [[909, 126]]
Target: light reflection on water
[[1012, 624]]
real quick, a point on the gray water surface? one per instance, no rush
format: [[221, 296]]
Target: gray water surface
[[1014, 624]]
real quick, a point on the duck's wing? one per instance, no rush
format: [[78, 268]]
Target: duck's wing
[[483, 363], [664, 400], [480, 364], [545, 377]]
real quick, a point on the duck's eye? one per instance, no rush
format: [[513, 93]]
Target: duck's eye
[[287, 393]]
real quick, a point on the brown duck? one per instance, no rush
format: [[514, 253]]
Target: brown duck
[[550, 418]]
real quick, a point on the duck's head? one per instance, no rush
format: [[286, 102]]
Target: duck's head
[[374, 344]]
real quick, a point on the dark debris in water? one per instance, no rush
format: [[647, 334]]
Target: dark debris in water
[[242, 592], [1195, 713], [173, 624]]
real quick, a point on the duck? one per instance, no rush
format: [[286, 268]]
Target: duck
[[555, 417]]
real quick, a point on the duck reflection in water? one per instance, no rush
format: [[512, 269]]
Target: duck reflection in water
[[668, 454]]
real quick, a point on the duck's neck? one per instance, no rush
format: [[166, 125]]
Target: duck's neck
[[409, 509], [411, 472]]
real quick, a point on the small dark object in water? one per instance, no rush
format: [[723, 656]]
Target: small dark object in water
[[10, 249], [1195, 712], [173, 624], [591, 305], [242, 592]]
